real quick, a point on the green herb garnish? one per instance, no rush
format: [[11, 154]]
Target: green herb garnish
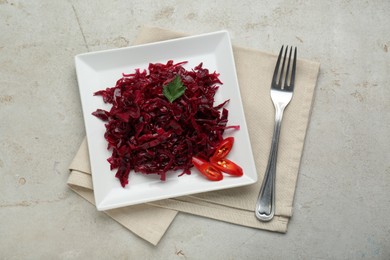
[[174, 89]]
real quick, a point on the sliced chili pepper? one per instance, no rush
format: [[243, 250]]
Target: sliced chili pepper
[[228, 166], [223, 149], [208, 170]]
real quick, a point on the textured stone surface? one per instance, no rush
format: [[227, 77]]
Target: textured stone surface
[[342, 202]]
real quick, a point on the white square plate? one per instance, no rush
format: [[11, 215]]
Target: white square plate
[[99, 70]]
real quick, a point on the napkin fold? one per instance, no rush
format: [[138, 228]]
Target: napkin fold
[[254, 71]]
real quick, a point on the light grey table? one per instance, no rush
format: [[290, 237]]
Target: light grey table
[[342, 204]]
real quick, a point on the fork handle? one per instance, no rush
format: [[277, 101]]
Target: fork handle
[[265, 205]]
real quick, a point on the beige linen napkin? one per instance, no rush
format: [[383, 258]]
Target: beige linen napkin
[[254, 69]]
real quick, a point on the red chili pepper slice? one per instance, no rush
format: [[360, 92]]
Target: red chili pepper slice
[[228, 166], [223, 149], [208, 170]]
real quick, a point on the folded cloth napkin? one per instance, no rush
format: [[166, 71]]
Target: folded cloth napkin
[[254, 70]]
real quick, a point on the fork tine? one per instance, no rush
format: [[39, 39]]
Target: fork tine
[[282, 69], [293, 69], [274, 78], [288, 69]]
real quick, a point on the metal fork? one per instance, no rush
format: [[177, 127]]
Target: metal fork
[[282, 88]]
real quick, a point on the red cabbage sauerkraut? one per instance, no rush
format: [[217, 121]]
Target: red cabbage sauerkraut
[[148, 134]]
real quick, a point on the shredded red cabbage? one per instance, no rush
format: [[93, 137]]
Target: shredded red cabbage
[[150, 135]]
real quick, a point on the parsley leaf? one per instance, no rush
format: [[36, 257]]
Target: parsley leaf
[[174, 89]]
